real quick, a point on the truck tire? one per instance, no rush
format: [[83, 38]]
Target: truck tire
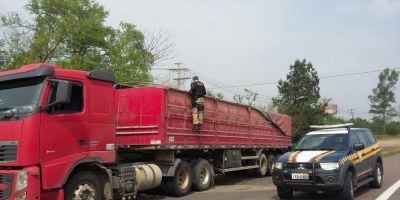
[[84, 185], [261, 171], [378, 176], [181, 183], [347, 193], [284, 193], [201, 174], [271, 164]]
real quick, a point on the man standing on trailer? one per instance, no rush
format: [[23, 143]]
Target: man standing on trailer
[[197, 90]]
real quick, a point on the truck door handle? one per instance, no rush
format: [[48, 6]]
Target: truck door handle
[[82, 142]]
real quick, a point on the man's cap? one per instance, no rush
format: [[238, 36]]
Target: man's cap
[[195, 78]]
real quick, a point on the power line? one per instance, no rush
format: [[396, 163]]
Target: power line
[[322, 77], [217, 83]]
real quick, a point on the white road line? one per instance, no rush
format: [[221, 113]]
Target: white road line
[[386, 195]]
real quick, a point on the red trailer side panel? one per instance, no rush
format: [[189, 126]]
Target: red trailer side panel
[[152, 116]]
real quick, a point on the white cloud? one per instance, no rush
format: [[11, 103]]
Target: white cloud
[[384, 8], [351, 7], [378, 8]]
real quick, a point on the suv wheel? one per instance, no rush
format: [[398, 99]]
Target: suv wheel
[[378, 176], [284, 193], [347, 193]]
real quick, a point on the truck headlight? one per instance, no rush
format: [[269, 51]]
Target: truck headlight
[[278, 165], [329, 166], [22, 180]]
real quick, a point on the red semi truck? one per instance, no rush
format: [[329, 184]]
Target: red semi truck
[[69, 134]]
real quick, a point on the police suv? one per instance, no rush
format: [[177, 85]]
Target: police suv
[[335, 158]]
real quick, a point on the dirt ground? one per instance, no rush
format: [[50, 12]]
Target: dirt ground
[[390, 143]]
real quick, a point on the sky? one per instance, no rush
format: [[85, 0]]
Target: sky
[[242, 42]]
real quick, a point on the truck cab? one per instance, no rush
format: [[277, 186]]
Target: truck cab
[[50, 125], [335, 158]]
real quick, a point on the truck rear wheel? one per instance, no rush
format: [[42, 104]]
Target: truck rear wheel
[[261, 171], [201, 174], [181, 183], [84, 185]]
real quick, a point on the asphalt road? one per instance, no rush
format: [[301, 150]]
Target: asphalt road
[[241, 186]]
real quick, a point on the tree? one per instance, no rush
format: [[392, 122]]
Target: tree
[[127, 56], [248, 98], [217, 95], [72, 34], [383, 97], [299, 98]]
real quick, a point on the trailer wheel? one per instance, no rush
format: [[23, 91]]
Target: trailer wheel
[[202, 175], [181, 183], [84, 185], [261, 171], [271, 164]]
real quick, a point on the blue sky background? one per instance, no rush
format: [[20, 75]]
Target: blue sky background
[[243, 42]]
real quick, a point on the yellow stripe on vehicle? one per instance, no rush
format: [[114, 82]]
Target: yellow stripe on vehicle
[[292, 155], [324, 155], [356, 159]]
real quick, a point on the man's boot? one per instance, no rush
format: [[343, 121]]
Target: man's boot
[[198, 127], [195, 127]]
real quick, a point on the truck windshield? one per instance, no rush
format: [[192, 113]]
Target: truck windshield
[[323, 142], [19, 97]]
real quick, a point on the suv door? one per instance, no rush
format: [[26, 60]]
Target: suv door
[[371, 157], [366, 162], [359, 165]]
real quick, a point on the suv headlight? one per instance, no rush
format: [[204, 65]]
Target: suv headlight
[[329, 166], [278, 165], [22, 180]]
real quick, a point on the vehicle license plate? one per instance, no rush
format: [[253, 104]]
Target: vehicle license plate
[[299, 176]]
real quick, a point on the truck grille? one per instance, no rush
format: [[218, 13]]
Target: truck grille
[[8, 151], [5, 185]]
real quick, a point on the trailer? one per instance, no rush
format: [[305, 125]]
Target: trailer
[[71, 134]]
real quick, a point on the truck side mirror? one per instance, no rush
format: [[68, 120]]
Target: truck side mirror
[[358, 146], [63, 94]]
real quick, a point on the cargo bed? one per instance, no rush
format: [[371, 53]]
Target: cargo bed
[[160, 118]]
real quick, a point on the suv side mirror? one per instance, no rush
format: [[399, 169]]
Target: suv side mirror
[[358, 147]]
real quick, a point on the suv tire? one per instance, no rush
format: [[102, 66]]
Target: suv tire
[[284, 193], [378, 176], [347, 193]]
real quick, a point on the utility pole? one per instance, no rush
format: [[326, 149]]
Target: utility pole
[[352, 113], [177, 76], [181, 75]]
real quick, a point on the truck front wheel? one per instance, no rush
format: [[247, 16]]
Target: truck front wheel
[[181, 183], [84, 185]]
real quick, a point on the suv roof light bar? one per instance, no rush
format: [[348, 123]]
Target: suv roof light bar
[[347, 125]]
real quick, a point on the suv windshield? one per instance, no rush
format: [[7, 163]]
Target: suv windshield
[[323, 142], [18, 98]]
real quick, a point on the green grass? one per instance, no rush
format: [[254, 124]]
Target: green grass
[[390, 151], [386, 137]]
